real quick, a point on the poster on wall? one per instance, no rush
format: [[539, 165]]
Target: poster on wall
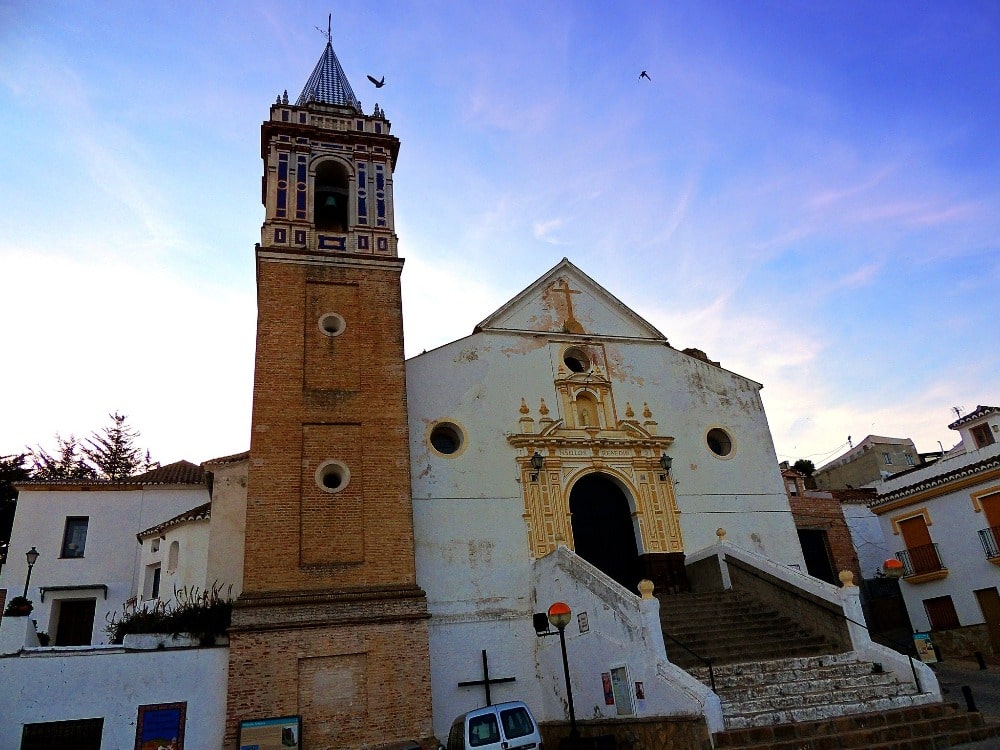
[[160, 726], [925, 649], [277, 733], [620, 686], [609, 696]]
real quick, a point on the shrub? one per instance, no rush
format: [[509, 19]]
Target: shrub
[[18, 606], [204, 614]]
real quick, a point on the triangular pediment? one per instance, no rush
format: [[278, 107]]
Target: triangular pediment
[[566, 300]]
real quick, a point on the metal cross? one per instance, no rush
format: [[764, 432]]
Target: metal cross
[[487, 680]]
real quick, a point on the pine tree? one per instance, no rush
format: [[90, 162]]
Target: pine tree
[[12, 469], [805, 466], [69, 464], [113, 450]]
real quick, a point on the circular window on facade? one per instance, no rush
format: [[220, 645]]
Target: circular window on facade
[[332, 324], [719, 442], [576, 359], [446, 438], [332, 476]]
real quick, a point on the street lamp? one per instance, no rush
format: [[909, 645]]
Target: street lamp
[[666, 462], [559, 615], [893, 568], [32, 556]]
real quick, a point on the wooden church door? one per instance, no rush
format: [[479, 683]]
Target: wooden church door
[[603, 531]]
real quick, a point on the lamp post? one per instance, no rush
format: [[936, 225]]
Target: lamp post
[[893, 568], [559, 615], [32, 556], [666, 462]]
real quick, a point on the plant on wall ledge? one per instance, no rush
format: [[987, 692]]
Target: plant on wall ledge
[[18, 607], [204, 614]]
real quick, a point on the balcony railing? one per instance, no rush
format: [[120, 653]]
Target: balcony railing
[[918, 560], [988, 538]]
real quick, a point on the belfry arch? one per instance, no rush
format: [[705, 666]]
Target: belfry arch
[[331, 191]]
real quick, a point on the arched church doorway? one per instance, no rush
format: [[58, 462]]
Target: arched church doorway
[[603, 532]]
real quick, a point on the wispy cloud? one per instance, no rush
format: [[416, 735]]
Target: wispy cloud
[[543, 230]]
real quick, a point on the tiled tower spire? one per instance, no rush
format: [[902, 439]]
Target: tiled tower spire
[[328, 84]]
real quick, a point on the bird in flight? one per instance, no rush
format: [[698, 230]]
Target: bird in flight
[[642, 75], [378, 83]]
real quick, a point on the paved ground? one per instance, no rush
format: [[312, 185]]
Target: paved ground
[[985, 684]]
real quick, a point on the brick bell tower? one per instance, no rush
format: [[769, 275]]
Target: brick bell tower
[[331, 624]]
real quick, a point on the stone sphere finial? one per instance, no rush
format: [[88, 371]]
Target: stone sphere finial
[[646, 588], [846, 579], [721, 533]]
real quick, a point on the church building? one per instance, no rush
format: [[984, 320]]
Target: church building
[[397, 512], [409, 523]]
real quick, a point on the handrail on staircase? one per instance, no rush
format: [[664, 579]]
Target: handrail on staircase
[[841, 614], [704, 659]]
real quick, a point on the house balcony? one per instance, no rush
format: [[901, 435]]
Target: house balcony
[[989, 539], [922, 564]]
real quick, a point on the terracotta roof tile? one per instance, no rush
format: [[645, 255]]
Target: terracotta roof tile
[[234, 458], [179, 472], [195, 514]]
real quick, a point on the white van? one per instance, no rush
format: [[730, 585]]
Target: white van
[[504, 726]]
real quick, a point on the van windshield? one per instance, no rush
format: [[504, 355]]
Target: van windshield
[[483, 730], [516, 722]]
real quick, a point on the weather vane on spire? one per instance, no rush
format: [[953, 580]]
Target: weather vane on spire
[[327, 33]]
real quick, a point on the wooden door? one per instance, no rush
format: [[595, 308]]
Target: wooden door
[[918, 543], [989, 603], [76, 622]]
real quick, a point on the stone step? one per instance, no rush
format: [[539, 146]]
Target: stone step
[[731, 627], [783, 671], [717, 629], [925, 727], [803, 689], [751, 652]]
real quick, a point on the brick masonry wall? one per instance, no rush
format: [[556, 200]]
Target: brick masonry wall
[[354, 685], [826, 514], [298, 536], [637, 734], [331, 624]]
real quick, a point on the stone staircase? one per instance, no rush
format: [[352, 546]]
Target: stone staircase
[[929, 727], [731, 627], [781, 686], [809, 688]]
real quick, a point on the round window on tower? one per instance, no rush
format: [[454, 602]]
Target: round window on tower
[[332, 324], [332, 476]]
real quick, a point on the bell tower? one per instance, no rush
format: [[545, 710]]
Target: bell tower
[[331, 625]]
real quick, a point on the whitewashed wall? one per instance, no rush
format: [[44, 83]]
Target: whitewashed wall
[[867, 537], [472, 554], [44, 685]]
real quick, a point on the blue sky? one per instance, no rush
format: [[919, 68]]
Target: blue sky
[[808, 192]]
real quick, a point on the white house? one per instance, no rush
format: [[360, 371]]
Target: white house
[[201, 549], [88, 558], [943, 523]]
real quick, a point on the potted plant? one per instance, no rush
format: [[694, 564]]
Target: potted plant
[[19, 606]]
